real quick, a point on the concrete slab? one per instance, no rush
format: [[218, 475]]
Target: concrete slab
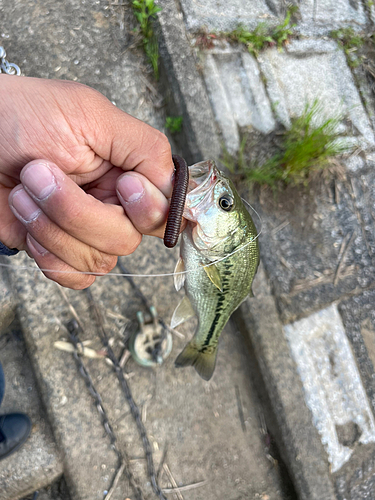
[[8, 302], [332, 386], [364, 84], [37, 464], [358, 315], [364, 195], [222, 15], [309, 70], [322, 15], [317, 18], [314, 70], [186, 95], [357, 481], [306, 236], [237, 95], [221, 105], [75, 422], [56, 491]]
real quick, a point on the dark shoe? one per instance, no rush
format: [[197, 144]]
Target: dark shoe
[[14, 430]]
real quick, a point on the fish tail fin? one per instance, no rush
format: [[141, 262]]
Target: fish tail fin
[[203, 361]]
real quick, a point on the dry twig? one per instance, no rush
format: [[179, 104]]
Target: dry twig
[[176, 489], [115, 481], [346, 244], [280, 227], [187, 487], [162, 461], [124, 358], [240, 408]]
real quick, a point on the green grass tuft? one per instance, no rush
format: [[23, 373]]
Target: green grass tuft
[[304, 148], [173, 124], [350, 41], [255, 40], [145, 11], [281, 33], [263, 35]]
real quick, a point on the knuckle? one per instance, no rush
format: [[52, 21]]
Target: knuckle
[[127, 245], [100, 262], [132, 245], [44, 231], [162, 147], [73, 281], [80, 284]]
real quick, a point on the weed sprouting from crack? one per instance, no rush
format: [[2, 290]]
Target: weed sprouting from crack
[[173, 124], [255, 40], [303, 149], [263, 35], [350, 41], [145, 11]]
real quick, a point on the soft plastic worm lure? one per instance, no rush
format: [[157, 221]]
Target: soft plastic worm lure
[[172, 229]]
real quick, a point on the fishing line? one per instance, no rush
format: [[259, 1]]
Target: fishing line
[[157, 275]]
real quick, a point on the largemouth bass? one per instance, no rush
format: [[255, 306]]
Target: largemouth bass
[[218, 225]]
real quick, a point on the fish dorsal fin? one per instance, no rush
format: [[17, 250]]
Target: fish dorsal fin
[[179, 279], [182, 313], [214, 274]]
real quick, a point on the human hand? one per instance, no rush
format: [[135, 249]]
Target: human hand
[[80, 180]]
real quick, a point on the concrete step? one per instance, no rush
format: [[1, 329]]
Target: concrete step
[[37, 464], [8, 303], [56, 491]]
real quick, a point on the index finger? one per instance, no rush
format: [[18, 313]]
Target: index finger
[[127, 142]]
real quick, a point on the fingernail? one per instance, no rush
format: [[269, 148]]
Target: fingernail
[[23, 206], [31, 242], [130, 188], [39, 180]]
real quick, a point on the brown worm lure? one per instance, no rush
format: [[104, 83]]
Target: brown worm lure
[[176, 208]]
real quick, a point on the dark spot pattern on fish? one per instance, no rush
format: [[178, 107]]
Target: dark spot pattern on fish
[[219, 308]]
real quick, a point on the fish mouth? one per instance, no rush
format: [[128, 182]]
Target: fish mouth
[[202, 177]]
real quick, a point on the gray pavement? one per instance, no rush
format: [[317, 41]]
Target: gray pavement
[[38, 463], [290, 410]]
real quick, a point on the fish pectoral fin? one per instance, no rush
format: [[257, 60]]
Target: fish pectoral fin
[[182, 313], [214, 274], [204, 361], [179, 279]]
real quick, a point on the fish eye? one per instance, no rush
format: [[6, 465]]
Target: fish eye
[[226, 202]]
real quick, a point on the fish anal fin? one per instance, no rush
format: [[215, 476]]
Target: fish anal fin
[[214, 274], [204, 361], [178, 278], [182, 313]]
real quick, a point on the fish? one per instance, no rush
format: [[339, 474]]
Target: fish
[[219, 257]]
